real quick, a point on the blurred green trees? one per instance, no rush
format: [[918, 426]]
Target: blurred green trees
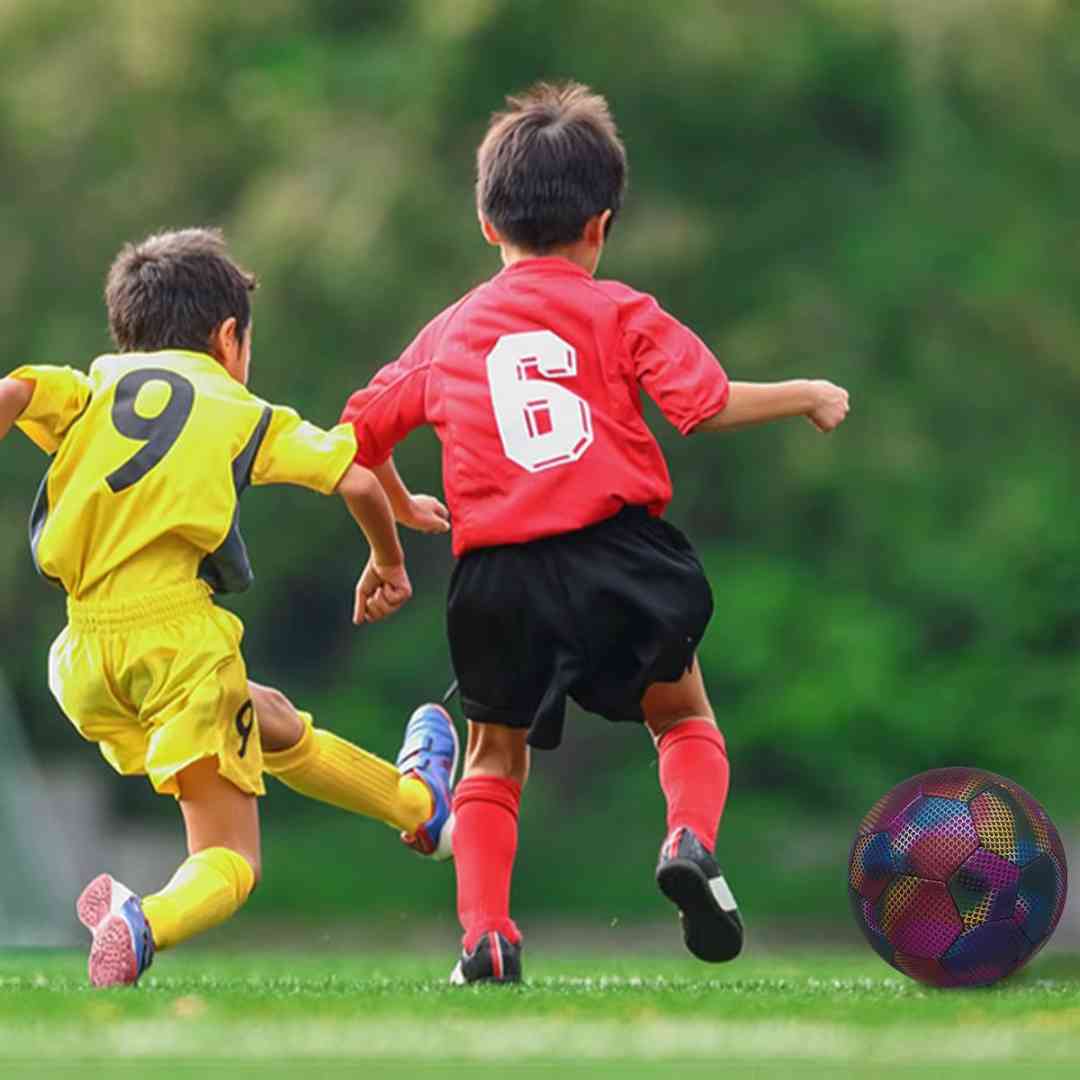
[[880, 193]]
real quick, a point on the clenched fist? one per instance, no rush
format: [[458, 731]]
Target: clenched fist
[[831, 405]]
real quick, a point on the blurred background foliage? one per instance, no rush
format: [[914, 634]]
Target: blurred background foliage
[[882, 193]]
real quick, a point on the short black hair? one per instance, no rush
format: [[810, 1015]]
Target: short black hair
[[549, 162], [173, 290]]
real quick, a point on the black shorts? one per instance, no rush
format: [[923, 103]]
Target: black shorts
[[598, 615]]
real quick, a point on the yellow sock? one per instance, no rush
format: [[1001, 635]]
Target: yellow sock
[[325, 767], [205, 891]]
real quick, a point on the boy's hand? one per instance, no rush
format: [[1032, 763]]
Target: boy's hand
[[380, 591], [425, 514], [831, 405]]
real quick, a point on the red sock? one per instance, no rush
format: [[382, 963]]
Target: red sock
[[694, 775], [485, 843]]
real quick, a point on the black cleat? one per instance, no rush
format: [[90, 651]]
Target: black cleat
[[689, 877], [493, 960]]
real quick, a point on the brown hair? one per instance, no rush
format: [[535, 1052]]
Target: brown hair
[[172, 290], [548, 163]]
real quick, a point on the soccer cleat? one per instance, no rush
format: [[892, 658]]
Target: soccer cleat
[[123, 946], [493, 960], [430, 752], [689, 877]]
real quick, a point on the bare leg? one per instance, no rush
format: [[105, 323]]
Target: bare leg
[[280, 724], [217, 814], [668, 704], [495, 750], [224, 862]]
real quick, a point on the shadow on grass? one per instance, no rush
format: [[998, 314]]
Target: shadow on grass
[[1064, 966]]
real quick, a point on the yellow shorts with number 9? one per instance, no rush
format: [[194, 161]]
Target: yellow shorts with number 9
[[158, 682]]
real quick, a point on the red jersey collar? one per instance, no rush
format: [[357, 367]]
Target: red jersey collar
[[550, 263]]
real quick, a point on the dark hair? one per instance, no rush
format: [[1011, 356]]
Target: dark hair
[[550, 162], [173, 290]]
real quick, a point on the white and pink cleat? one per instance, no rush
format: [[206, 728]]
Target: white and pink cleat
[[123, 946]]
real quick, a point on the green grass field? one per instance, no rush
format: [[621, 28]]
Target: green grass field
[[273, 1014]]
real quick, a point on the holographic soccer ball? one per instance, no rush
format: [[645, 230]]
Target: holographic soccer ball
[[957, 877]]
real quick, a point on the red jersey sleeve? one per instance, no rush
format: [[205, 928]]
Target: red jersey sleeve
[[393, 403], [676, 368]]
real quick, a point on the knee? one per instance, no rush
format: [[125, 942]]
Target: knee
[[255, 862], [280, 725]]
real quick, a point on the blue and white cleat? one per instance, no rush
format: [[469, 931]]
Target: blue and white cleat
[[123, 946], [430, 752]]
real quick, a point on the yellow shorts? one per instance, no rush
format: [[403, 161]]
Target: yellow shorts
[[158, 683]]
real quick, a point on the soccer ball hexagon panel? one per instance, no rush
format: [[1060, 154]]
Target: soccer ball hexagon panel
[[957, 877]]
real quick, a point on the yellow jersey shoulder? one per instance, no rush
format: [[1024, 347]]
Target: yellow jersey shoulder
[[153, 451]]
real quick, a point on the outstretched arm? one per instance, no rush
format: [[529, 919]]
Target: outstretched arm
[[421, 512], [293, 451], [15, 395], [384, 585], [822, 403]]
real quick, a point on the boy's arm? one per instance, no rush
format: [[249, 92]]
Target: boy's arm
[[293, 451], [384, 585], [394, 403], [824, 404], [15, 395], [421, 512], [44, 401], [684, 377]]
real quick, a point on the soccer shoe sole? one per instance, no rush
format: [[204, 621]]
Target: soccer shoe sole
[[95, 902], [711, 933], [113, 960]]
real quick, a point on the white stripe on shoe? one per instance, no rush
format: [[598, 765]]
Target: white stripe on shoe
[[722, 893]]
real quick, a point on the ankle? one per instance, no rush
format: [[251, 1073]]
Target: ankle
[[507, 928]]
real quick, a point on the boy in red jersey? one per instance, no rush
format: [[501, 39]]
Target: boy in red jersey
[[568, 582]]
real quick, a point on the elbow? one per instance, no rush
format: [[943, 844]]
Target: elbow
[[357, 483], [717, 422]]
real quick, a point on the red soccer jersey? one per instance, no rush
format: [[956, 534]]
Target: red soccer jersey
[[532, 382]]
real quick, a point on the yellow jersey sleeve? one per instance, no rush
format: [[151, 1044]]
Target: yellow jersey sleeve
[[294, 451], [61, 394]]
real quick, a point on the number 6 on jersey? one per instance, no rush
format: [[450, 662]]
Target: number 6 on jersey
[[541, 423]]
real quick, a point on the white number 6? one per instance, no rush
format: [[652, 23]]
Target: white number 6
[[541, 424]]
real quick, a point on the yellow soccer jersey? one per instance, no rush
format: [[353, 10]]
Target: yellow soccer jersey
[[152, 451]]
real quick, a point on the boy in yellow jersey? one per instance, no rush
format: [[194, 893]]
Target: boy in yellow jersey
[[137, 520]]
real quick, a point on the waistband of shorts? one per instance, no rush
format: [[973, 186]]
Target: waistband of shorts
[[627, 515], [141, 609]]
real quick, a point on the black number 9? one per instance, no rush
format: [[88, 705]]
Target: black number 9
[[159, 432], [247, 710]]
